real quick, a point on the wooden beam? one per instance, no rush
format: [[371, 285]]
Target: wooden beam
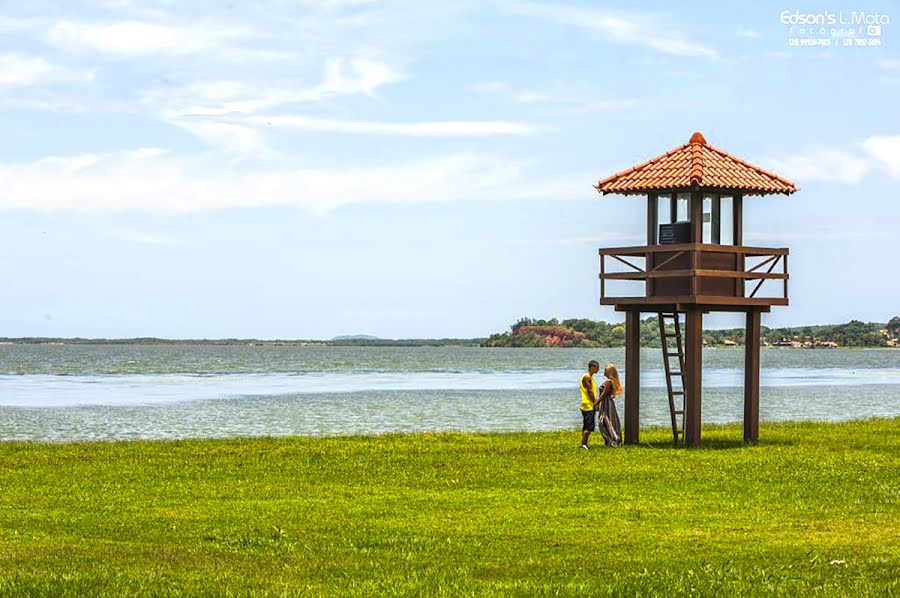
[[632, 376], [640, 250], [739, 240], [626, 262], [699, 272], [602, 278], [769, 271], [696, 216], [651, 238], [751, 376], [665, 261], [693, 366], [683, 307], [705, 301]]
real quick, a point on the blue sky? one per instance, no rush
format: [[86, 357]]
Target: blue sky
[[406, 169]]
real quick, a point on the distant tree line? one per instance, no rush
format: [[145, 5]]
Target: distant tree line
[[251, 342], [530, 332]]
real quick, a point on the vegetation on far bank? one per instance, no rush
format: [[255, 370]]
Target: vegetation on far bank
[[812, 510], [528, 332]]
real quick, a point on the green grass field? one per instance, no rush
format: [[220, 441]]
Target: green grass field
[[813, 509]]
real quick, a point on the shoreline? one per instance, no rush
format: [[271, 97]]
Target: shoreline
[[653, 431]]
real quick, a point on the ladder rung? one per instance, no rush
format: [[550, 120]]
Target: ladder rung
[[676, 373], [668, 354], [677, 392], [678, 412]]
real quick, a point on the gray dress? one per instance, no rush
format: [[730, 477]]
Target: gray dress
[[608, 419]]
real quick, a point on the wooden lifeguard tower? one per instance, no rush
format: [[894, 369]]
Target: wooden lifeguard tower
[[694, 262]]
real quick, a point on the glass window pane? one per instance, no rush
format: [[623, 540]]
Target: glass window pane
[[726, 220], [663, 209], [683, 208], [707, 218]]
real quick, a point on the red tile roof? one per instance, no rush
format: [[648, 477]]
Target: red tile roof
[[696, 163]]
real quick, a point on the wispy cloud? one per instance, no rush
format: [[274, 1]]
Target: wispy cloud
[[448, 128], [222, 97], [823, 164], [229, 137], [169, 184], [620, 27], [140, 38], [844, 165], [23, 70], [203, 108], [885, 150], [563, 102]]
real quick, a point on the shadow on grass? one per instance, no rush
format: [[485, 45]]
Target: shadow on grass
[[715, 444]]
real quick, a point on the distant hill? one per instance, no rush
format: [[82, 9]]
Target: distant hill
[[356, 337], [528, 332]]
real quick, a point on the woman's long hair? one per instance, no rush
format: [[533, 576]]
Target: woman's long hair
[[613, 374]]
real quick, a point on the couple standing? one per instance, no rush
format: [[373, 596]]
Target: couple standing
[[593, 403]]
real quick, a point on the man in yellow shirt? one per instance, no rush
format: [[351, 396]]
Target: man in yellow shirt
[[589, 403]]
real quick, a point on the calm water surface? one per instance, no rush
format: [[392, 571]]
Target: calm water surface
[[99, 392]]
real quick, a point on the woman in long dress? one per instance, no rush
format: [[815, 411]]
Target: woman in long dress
[[608, 420]]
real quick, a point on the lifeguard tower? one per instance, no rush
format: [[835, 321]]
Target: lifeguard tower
[[694, 263]]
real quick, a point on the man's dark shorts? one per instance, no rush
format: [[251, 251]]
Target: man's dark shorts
[[590, 421]]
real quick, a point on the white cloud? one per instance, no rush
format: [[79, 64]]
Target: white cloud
[[137, 38], [625, 28], [748, 33], [68, 164], [201, 107], [885, 150], [230, 137], [16, 69], [491, 87], [449, 128], [843, 165], [823, 164], [223, 97], [365, 77], [131, 181], [564, 104], [890, 64], [22, 69]]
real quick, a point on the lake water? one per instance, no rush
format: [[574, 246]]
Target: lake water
[[104, 392]]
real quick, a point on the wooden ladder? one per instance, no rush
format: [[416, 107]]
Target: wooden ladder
[[673, 389]]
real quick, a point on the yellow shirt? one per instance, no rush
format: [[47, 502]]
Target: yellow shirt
[[587, 401]]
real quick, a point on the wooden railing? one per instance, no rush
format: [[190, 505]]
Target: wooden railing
[[690, 262]]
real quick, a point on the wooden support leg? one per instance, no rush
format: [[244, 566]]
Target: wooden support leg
[[693, 363], [632, 376], [751, 376]]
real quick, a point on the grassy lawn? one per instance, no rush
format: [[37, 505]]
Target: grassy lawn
[[813, 509]]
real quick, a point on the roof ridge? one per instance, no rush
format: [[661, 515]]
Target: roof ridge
[[696, 175]]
